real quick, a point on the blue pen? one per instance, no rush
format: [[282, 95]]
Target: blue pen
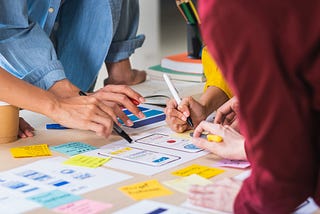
[[55, 126]]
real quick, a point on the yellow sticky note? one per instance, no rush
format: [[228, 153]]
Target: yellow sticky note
[[121, 151], [30, 151], [183, 184], [144, 190], [204, 171], [87, 161]]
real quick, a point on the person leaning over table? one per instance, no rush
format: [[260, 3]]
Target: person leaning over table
[[216, 92], [81, 112], [60, 46], [46, 39], [273, 67]]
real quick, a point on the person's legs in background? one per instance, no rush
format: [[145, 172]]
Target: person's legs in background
[[124, 43]]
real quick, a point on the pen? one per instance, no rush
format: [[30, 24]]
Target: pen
[[55, 126], [116, 128], [175, 95]]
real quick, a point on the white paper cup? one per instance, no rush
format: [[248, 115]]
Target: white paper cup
[[9, 122]]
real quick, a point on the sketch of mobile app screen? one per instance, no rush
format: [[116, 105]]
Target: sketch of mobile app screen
[[165, 141], [138, 155]]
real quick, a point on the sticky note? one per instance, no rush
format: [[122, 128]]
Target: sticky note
[[241, 164], [30, 151], [204, 171], [73, 148], [146, 189], [119, 151], [83, 207], [214, 138], [54, 198], [185, 135], [183, 184], [87, 161]]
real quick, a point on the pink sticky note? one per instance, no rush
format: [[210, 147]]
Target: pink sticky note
[[233, 163], [83, 207]]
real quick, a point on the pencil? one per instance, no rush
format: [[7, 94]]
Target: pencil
[[193, 8], [187, 13], [179, 8]]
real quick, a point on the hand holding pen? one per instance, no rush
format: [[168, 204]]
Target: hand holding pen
[[185, 116], [118, 97], [116, 127]]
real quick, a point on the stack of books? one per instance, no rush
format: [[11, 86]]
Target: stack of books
[[179, 67]]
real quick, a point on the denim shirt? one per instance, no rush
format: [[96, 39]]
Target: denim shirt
[[44, 41]]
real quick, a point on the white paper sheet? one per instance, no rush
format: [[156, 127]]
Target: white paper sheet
[[11, 203], [52, 174], [187, 204], [147, 206], [309, 206], [148, 159]]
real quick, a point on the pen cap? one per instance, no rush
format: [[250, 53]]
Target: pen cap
[[9, 122]]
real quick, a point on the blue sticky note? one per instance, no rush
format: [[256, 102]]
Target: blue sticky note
[[54, 198], [73, 148]]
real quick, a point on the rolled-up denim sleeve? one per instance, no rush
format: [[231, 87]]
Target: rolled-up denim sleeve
[[125, 39], [26, 50], [123, 49]]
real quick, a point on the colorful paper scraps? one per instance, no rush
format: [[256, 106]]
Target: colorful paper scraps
[[83, 207], [31, 151], [54, 198], [87, 161], [183, 184], [73, 148], [241, 164], [145, 190], [204, 171]]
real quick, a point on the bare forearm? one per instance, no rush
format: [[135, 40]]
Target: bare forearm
[[25, 95], [64, 88], [212, 99]]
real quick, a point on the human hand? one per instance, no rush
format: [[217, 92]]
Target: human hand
[[83, 112], [119, 96], [232, 146], [227, 114], [25, 129], [176, 116], [218, 196]]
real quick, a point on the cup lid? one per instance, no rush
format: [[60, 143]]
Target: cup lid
[[4, 103]]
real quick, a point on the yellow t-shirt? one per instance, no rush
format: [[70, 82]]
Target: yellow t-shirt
[[213, 74]]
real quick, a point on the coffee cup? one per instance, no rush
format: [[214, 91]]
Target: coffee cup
[[9, 122]]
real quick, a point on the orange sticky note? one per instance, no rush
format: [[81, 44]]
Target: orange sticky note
[[204, 171], [146, 189], [30, 151]]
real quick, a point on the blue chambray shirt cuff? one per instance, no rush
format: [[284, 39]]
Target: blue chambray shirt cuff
[[123, 49], [45, 76]]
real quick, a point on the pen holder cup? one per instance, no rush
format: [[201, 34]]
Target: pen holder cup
[[194, 41], [9, 123]]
